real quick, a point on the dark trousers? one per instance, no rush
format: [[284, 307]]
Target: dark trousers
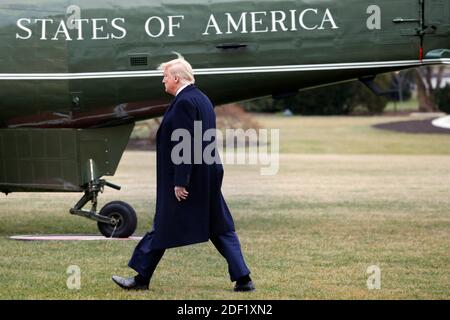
[[145, 258]]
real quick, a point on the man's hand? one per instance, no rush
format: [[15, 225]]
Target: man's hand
[[181, 193]]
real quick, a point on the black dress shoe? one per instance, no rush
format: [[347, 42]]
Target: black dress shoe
[[129, 283], [243, 287]]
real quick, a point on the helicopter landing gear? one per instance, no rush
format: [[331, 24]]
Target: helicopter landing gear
[[116, 219]]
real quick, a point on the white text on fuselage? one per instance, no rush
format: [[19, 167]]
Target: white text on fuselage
[[77, 28]]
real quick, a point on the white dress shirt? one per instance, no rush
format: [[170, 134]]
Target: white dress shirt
[[181, 88]]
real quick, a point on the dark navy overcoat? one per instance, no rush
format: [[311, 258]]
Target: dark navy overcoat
[[204, 213]]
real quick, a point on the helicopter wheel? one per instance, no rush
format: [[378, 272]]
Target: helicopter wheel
[[124, 220]]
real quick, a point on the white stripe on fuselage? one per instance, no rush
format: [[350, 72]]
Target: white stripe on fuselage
[[222, 71]]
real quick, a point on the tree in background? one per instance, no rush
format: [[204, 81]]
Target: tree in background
[[429, 81], [402, 86], [425, 88]]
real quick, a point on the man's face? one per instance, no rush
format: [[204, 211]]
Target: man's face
[[171, 82]]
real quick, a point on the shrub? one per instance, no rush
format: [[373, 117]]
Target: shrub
[[337, 99], [442, 97]]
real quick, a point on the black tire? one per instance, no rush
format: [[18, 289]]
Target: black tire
[[127, 220]]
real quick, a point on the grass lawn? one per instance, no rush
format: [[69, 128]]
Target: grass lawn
[[351, 135], [347, 197]]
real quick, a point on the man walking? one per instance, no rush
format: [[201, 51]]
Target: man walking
[[190, 207]]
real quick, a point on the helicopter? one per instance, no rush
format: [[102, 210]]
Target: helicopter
[[76, 75]]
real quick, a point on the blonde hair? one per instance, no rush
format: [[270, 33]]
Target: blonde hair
[[179, 67]]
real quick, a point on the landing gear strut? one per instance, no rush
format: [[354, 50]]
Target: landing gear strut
[[116, 219]]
